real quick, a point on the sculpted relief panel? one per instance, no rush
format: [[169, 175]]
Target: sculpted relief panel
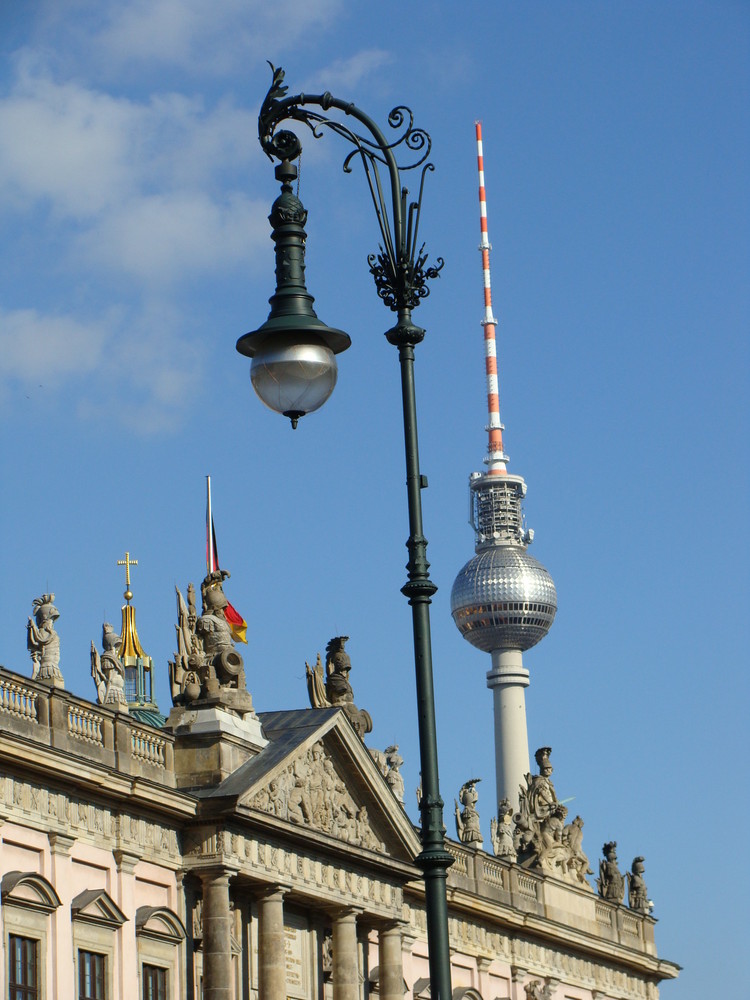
[[311, 793]]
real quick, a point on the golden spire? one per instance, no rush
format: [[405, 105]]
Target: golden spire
[[130, 644]]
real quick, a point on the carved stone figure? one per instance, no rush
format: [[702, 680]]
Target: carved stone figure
[[542, 838], [326, 958], [501, 831], [637, 892], [578, 864], [467, 820], [206, 667], [536, 990], [310, 793], [393, 775], [333, 687], [611, 883], [43, 642], [108, 671]]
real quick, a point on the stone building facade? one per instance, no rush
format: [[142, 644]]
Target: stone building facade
[[235, 856]]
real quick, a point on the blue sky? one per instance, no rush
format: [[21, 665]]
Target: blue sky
[[135, 250]]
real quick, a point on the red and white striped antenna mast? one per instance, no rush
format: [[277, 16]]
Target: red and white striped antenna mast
[[496, 459]]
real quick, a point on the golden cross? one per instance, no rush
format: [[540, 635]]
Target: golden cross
[[127, 562]]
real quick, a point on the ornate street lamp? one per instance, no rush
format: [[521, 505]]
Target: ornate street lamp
[[294, 371]]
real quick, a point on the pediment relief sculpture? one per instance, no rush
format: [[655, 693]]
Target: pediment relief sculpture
[[542, 837], [309, 792]]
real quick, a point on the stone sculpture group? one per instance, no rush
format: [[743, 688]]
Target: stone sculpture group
[[207, 668]]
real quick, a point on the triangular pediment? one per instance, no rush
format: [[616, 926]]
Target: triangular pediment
[[317, 775], [97, 907]]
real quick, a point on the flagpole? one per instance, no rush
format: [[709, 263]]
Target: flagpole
[[210, 554]]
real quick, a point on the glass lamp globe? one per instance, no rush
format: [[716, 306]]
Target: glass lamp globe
[[293, 378]]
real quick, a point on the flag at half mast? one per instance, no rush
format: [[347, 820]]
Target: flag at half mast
[[237, 624]]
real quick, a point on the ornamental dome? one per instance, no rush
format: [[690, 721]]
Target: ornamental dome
[[503, 599]]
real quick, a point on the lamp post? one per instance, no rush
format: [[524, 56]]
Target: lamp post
[[294, 371]]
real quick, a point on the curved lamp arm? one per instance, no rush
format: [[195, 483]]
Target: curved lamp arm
[[399, 268]]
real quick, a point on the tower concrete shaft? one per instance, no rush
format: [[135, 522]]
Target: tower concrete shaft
[[508, 680]]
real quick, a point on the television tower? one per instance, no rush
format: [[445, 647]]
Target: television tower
[[503, 601]]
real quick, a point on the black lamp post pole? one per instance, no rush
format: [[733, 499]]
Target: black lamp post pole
[[400, 277]]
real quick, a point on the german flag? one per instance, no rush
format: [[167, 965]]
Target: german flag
[[236, 622]]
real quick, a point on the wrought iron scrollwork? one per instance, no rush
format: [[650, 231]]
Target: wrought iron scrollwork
[[399, 267]]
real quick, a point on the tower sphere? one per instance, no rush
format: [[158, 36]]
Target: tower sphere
[[503, 598]]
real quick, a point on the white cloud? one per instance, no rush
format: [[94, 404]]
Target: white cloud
[[149, 190], [348, 73], [164, 238], [47, 349], [138, 370], [197, 36]]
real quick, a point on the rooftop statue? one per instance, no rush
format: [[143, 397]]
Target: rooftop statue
[[542, 838], [611, 883], [43, 642], [501, 831], [389, 761], [332, 688], [206, 667], [637, 892], [467, 820], [393, 776], [108, 671]]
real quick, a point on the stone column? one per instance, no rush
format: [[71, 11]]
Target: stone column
[[271, 951], [390, 965], [217, 935], [345, 964]]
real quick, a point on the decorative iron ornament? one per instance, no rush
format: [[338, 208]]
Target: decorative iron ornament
[[399, 267]]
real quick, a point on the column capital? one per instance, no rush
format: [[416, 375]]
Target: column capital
[[484, 962], [517, 972], [269, 890], [214, 872], [343, 912], [389, 926]]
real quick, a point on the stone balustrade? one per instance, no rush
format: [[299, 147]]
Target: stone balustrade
[[56, 718], [502, 882]]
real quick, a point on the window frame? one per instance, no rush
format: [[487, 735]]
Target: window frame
[[99, 974], [23, 990], [162, 990]]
